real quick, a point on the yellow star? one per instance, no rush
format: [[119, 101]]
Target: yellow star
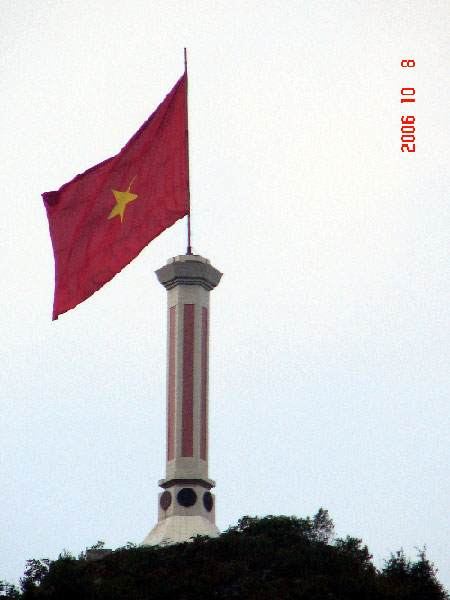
[[122, 199]]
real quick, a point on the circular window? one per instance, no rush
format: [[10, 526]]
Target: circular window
[[208, 501], [187, 497], [165, 500]]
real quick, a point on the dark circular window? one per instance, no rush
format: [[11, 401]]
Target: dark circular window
[[187, 497], [208, 501], [165, 500]]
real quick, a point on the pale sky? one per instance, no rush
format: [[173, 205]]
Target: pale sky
[[330, 353]]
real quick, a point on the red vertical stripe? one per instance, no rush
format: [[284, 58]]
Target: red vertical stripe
[[171, 393], [204, 385], [187, 439]]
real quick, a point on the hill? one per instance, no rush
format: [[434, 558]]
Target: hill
[[260, 558]]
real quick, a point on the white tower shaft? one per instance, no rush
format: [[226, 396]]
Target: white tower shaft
[[186, 507]]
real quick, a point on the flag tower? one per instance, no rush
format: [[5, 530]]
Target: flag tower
[[99, 222], [186, 506]]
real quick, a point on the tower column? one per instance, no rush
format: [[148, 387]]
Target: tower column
[[186, 507]]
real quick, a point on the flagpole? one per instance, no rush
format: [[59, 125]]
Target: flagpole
[[188, 193]]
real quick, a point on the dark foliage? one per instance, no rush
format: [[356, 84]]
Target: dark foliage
[[272, 557]]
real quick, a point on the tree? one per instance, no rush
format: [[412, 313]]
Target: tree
[[8, 590], [410, 580], [259, 558]]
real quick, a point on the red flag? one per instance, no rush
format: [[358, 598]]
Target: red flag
[[103, 218]]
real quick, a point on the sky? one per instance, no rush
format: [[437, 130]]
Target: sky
[[329, 334]]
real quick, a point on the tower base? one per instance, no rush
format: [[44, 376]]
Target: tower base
[[180, 528]]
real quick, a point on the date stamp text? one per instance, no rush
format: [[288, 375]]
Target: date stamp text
[[408, 128]]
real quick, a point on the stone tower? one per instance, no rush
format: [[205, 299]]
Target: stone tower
[[186, 506]]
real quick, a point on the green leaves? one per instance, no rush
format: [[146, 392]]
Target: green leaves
[[259, 558]]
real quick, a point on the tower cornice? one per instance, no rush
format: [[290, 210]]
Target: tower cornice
[[170, 482], [189, 269]]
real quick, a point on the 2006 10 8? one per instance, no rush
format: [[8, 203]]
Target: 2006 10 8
[[408, 128]]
